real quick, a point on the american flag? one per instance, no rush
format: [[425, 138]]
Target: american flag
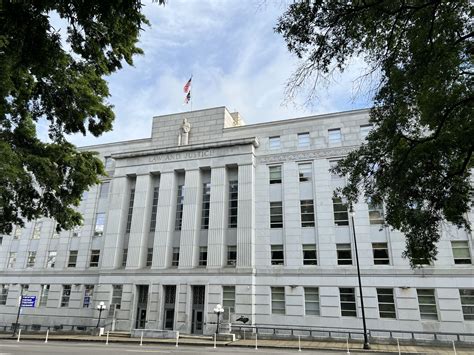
[[187, 86], [188, 97]]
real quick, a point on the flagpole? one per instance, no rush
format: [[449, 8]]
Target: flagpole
[[191, 96]]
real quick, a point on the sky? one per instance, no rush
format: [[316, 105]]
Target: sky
[[236, 60]]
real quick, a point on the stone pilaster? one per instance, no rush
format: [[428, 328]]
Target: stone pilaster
[[217, 221], [245, 217]]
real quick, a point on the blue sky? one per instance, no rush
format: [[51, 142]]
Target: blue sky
[[236, 60]]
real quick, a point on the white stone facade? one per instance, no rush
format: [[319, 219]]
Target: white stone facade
[[222, 151]]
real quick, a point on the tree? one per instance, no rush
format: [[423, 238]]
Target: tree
[[417, 158], [40, 80]]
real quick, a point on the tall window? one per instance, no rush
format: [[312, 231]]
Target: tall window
[[364, 131], [149, 257], [231, 255], [88, 294], [278, 257], [99, 224], [104, 190], [55, 232], [30, 262], [341, 216], [95, 256], [109, 162], [427, 304], [278, 300], [179, 208], [274, 142], [76, 232], [233, 203], [309, 254], [124, 257], [375, 213], [305, 172], [380, 252], [334, 135], [206, 205], [228, 301], [304, 140], [202, 256], [154, 209], [37, 230], [72, 258], [4, 294], [51, 260], [332, 165], [461, 252], [348, 303], [276, 214], [66, 295], [11, 259], [386, 303], [43, 301], [117, 296], [175, 257], [307, 213], [311, 301], [467, 303], [275, 174], [17, 234], [130, 210], [344, 254]]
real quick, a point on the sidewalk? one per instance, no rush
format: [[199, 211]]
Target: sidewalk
[[281, 344]]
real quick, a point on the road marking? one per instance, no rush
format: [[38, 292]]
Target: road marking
[[148, 351]]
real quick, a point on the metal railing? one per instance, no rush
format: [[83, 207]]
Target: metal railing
[[32, 328]]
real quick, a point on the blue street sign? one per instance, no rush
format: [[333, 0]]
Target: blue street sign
[[28, 301]]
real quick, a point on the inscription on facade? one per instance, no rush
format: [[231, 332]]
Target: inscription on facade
[[308, 155], [197, 154]]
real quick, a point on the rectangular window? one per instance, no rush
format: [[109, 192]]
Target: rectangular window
[[231, 255], [461, 252], [334, 135], [467, 303], [4, 294], [304, 140], [95, 256], [51, 261], [17, 234], [305, 172], [202, 256], [386, 303], [274, 142], [55, 232], [43, 301], [76, 232], [341, 216], [309, 254], [149, 257], [427, 304], [154, 209], [228, 301], [30, 261], [66, 295], [275, 174], [233, 203], [130, 210], [24, 289], [348, 303], [278, 300], [109, 162], [37, 230], [88, 294], [117, 296], [179, 208], [311, 301], [276, 214], [375, 213], [364, 131], [380, 252], [175, 257], [72, 258], [206, 205], [332, 165], [99, 224], [124, 257], [344, 254], [307, 213], [11, 260], [278, 257], [104, 190]]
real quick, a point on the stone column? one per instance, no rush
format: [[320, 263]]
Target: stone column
[[245, 217], [217, 221], [291, 215]]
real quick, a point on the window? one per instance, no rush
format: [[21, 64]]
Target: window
[[124, 257], [55, 232], [427, 304], [104, 189], [88, 294], [179, 208], [364, 131], [467, 303], [332, 165], [334, 136], [380, 252], [305, 172], [202, 256], [4, 294], [461, 252], [304, 140], [278, 257], [341, 217], [11, 260], [37, 230], [72, 258], [311, 301], [278, 300], [24, 289], [344, 254], [233, 203], [51, 260], [30, 261], [109, 162], [44, 295], [386, 303], [154, 208], [228, 301], [175, 257], [309, 254], [276, 214], [307, 213], [275, 174], [66, 296], [130, 210], [99, 224], [95, 256], [17, 233], [76, 232], [206, 205], [375, 213], [274, 142], [117, 296], [149, 257], [348, 303], [231, 255]]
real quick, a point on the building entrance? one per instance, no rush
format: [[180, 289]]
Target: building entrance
[[142, 304], [169, 307], [198, 309]]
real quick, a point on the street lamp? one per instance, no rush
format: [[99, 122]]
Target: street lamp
[[218, 310], [366, 339], [100, 307]]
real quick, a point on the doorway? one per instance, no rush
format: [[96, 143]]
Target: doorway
[[198, 309], [169, 307], [142, 305]]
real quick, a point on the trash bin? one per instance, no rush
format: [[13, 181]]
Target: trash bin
[[101, 331]]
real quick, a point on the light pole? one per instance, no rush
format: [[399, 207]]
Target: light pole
[[218, 310], [20, 299], [366, 339], [101, 307]]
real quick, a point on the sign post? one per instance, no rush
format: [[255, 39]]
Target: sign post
[[23, 301]]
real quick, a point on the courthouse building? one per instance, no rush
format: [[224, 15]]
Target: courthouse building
[[212, 211]]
